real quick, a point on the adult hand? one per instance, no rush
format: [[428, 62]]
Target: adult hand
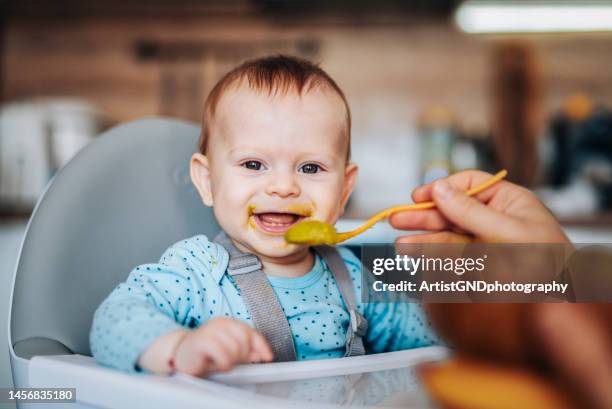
[[504, 212], [508, 213]]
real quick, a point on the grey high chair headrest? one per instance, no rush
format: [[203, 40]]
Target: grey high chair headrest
[[120, 202]]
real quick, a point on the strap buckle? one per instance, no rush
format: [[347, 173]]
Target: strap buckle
[[359, 324], [243, 264]]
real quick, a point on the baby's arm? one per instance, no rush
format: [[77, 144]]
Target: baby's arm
[[135, 314], [218, 345], [158, 355], [148, 318]]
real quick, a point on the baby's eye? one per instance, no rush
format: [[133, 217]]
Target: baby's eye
[[310, 168], [252, 165]]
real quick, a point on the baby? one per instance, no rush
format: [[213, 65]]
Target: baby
[[274, 150]]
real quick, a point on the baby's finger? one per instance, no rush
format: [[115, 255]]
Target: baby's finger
[[261, 347], [197, 363], [254, 357], [241, 335], [207, 365], [231, 344], [430, 219], [222, 360]]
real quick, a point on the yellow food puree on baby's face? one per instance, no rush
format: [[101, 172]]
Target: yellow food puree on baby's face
[[301, 209], [305, 210]]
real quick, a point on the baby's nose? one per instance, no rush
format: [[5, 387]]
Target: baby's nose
[[283, 185]]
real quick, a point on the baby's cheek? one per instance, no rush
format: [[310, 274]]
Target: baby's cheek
[[230, 208], [328, 209], [328, 201]]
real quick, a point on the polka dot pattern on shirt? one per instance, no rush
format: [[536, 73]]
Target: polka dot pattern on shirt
[[189, 286]]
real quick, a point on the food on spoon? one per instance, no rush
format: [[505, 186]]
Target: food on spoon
[[311, 232], [316, 232]]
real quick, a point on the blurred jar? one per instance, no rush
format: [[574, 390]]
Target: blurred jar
[[25, 166], [72, 124], [37, 137], [577, 158], [473, 149], [437, 138]]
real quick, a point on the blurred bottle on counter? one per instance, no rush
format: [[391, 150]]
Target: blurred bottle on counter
[[578, 158], [474, 149], [567, 129], [437, 137], [445, 148]]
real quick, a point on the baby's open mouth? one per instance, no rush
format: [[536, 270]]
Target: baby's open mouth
[[276, 222]]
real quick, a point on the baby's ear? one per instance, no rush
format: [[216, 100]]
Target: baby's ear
[[350, 179], [199, 169]]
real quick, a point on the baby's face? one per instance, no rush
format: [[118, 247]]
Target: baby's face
[[273, 161]]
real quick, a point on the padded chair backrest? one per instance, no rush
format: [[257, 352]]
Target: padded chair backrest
[[120, 202]]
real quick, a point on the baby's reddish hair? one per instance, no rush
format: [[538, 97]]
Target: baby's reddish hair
[[276, 74]]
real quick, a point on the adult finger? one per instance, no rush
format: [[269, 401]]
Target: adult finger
[[428, 238], [471, 215], [463, 181], [429, 219]]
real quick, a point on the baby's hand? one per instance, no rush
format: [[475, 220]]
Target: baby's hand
[[219, 345]]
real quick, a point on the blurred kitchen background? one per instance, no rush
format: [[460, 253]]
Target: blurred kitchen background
[[435, 86], [431, 92]]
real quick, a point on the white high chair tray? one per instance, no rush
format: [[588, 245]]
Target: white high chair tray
[[291, 371], [376, 381]]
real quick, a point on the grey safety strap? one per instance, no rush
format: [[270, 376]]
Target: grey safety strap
[[260, 299], [358, 325]]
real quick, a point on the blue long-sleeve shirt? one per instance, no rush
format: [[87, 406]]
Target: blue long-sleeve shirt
[[190, 285]]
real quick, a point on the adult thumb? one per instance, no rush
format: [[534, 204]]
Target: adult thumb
[[466, 212]]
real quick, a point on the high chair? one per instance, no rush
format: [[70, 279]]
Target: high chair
[[121, 202]]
